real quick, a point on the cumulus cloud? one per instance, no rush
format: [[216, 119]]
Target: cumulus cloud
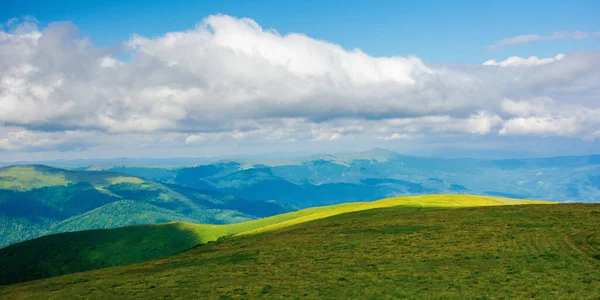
[[528, 38], [324, 136], [540, 126], [230, 80], [396, 136], [15, 138], [516, 61], [542, 116], [110, 62], [194, 138]]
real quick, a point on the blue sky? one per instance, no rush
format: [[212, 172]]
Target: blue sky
[[436, 31], [101, 79]]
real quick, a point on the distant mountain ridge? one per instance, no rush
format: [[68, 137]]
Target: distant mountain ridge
[[378, 173]]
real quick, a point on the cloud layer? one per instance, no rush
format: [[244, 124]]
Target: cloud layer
[[528, 38], [228, 79]]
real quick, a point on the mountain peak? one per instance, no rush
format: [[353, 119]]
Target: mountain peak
[[380, 151], [377, 154]]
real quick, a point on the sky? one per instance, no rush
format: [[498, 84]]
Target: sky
[[101, 79]]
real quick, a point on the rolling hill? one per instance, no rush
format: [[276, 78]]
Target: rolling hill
[[87, 250], [503, 252], [37, 200]]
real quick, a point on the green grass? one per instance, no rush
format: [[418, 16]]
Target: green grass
[[124, 179], [387, 253], [86, 250], [80, 251], [28, 177], [410, 202]]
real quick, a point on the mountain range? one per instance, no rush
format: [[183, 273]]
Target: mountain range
[[37, 200], [380, 173]]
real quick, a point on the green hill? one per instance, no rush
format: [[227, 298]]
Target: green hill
[[502, 252], [80, 251], [38, 200], [119, 214]]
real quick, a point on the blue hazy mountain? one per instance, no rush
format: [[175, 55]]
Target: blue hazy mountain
[[329, 179]]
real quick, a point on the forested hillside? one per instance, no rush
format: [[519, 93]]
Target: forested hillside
[[39, 200]]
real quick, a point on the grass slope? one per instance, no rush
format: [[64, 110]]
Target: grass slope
[[509, 252], [95, 249], [88, 250]]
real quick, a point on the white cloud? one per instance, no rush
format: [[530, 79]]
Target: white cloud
[[110, 62], [543, 116], [531, 107], [230, 81], [516, 61], [17, 139], [396, 136], [528, 38], [326, 136], [248, 44], [544, 126], [194, 138], [482, 122]]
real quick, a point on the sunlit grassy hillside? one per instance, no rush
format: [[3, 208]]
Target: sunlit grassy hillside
[[500, 252], [411, 202], [209, 233], [37, 176], [81, 251]]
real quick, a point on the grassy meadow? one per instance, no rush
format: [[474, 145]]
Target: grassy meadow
[[502, 252], [93, 249]]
